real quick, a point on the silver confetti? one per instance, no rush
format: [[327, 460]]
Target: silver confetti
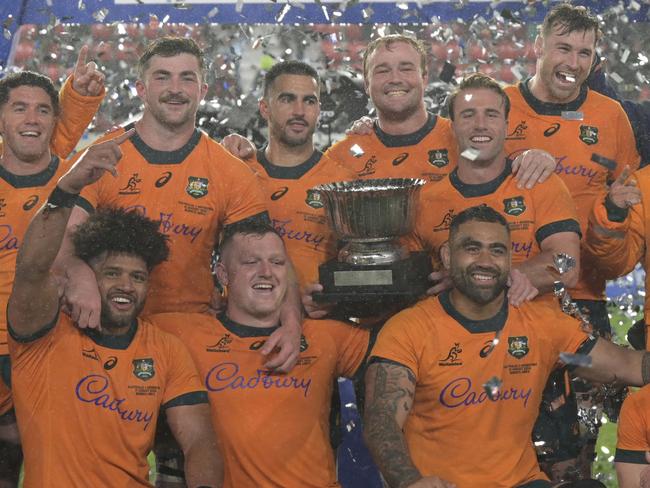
[[572, 115], [579, 360], [356, 151], [470, 153], [492, 388], [100, 15]]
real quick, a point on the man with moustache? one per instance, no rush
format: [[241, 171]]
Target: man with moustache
[[87, 400], [467, 369]]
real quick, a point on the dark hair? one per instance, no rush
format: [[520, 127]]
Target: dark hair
[[28, 78], [570, 18], [253, 226], [479, 213], [478, 80], [387, 42], [120, 231], [288, 68], [167, 47]]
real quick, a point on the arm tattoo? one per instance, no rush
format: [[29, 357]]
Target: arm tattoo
[[390, 395], [645, 368]]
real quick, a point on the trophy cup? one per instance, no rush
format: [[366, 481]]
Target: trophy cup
[[372, 269]]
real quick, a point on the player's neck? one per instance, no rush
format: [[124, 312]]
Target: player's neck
[[472, 310], [539, 90], [14, 165], [396, 126], [478, 172], [161, 137], [279, 154], [115, 331], [242, 317]]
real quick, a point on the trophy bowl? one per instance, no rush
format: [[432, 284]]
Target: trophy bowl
[[369, 215], [372, 269]]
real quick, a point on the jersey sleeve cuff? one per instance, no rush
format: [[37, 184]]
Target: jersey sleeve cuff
[[380, 360], [567, 225], [630, 456], [192, 398], [615, 213], [25, 339], [85, 204], [584, 348]]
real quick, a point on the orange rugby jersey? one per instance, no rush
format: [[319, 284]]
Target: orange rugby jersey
[[428, 153], [6, 403], [273, 428], [297, 212], [532, 215], [20, 197], [616, 247], [604, 130], [87, 404], [451, 413], [194, 192], [633, 438]]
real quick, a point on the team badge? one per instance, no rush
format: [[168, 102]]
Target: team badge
[[518, 346], [143, 369], [588, 134], [439, 157], [314, 199], [514, 206], [197, 187], [518, 132], [303, 344]]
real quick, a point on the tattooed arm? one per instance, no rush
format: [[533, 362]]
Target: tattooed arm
[[390, 389]]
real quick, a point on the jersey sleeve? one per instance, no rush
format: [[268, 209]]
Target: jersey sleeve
[[28, 353], [77, 112], [183, 384], [632, 438], [626, 153], [244, 193], [352, 344], [614, 246], [555, 210]]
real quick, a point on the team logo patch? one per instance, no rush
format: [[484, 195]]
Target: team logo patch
[[453, 356], [518, 346], [303, 344], [221, 345], [514, 206], [314, 199], [197, 187], [588, 134], [131, 187], [439, 157], [518, 132], [143, 369]]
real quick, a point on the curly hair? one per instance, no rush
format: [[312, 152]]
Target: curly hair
[[120, 231]]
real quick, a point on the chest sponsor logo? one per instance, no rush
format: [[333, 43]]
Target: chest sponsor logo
[[552, 130], [164, 179], [459, 392], [314, 199], [400, 159], [518, 346], [453, 356], [144, 369], [110, 363], [369, 167], [589, 134], [197, 187], [293, 232], [31, 202], [221, 345], [94, 389], [514, 206], [439, 157], [226, 376], [519, 132], [276, 195], [131, 187]]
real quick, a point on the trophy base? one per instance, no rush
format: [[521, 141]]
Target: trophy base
[[367, 290]]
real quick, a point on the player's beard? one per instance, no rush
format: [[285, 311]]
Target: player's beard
[[295, 140], [111, 320], [481, 295]]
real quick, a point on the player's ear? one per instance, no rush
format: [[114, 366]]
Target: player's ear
[[222, 274], [538, 47], [264, 108], [445, 255]]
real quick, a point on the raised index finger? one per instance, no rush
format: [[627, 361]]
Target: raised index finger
[[123, 137], [81, 60]]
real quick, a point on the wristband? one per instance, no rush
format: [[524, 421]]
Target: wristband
[[60, 198]]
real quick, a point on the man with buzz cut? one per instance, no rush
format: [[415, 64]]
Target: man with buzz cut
[[87, 400], [467, 369]]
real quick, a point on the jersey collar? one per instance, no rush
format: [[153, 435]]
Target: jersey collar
[[288, 172], [480, 189], [153, 156], [548, 108], [492, 324], [26, 181], [245, 330], [122, 341], [407, 139]]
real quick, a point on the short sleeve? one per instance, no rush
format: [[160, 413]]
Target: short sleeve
[[183, 384], [626, 153], [244, 192], [632, 438], [352, 343], [555, 210]]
